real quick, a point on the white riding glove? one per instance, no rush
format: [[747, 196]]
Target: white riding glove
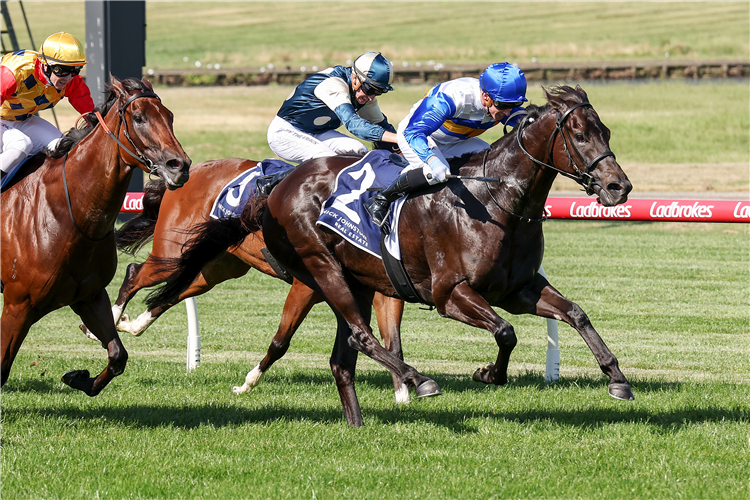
[[437, 171]]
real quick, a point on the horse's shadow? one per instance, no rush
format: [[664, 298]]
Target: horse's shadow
[[418, 411]]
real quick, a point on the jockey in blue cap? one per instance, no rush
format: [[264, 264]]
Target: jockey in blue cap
[[305, 126], [445, 124]]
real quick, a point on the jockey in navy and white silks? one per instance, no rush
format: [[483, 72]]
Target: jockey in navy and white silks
[[445, 124], [305, 126]]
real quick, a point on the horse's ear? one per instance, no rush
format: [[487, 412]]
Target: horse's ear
[[583, 93], [546, 93], [117, 87], [148, 85]]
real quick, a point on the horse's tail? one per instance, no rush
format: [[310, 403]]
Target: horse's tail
[[252, 214], [206, 242], [140, 230]]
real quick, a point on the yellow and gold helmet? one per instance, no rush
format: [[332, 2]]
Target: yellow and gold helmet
[[63, 49]]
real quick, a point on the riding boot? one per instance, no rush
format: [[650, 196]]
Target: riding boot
[[380, 205], [265, 184]]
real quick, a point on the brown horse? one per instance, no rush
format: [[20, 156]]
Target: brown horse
[[58, 221], [168, 217], [467, 245]]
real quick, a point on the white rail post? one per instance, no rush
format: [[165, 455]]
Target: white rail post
[[552, 371], [194, 337]]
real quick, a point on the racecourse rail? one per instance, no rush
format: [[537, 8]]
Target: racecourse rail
[[555, 208]]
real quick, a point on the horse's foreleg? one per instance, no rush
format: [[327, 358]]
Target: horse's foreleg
[[95, 312], [298, 303], [128, 289], [388, 312], [14, 326], [466, 305], [542, 299]]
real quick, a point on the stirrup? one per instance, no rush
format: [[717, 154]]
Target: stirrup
[[378, 210]]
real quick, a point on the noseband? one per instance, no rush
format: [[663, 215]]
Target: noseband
[[137, 154], [583, 177]]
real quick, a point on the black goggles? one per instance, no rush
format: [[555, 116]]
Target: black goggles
[[506, 105], [372, 90], [63, 71]]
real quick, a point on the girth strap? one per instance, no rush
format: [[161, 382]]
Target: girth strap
[[398, 276]]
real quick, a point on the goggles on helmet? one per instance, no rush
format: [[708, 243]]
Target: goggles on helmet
[[506, 105], [371, 89], [63, 71]]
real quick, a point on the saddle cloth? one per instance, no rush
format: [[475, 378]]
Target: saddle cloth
[[238, 191], [344, 212], [9, 176]]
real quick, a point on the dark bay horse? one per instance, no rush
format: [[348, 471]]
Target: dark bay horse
[[58, 245], [168, 218], [467, 245]]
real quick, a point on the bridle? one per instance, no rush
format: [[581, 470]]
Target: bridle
[[137, 155], [583, 176]]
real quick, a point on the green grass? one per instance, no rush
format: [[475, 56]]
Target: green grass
[[253, 34], [670, 300]]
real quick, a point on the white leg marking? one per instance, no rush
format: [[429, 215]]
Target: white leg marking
[[138, 325], [402, 394], [116, 312], [251, 380]]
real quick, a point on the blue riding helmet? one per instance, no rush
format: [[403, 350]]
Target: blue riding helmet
[[374, 70], [504, 82]]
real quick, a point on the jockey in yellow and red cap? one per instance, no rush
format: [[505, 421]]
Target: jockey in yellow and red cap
[[33, 81]]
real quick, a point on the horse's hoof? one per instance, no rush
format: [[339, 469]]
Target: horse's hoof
[[428, 388], [621, 391], [74, 376], [482, 375]]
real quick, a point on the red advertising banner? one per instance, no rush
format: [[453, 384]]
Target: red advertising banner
[[650, 210], [589, 209]]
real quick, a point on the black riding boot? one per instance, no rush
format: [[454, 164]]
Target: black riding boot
[[265, 184], [379, 205]]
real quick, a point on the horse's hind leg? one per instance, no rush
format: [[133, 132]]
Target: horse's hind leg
[[298, 303], [95, 312], [466, 305], [542, 299], [388, 312], [343, 366]]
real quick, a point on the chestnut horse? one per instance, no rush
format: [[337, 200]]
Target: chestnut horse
[[168, 217], [467, 245], [58, 221]]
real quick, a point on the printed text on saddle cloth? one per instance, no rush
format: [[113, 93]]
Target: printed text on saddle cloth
[[344, 213]]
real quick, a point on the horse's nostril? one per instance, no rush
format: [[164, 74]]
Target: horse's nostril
[[174, 164]]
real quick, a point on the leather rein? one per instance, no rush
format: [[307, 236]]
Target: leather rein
[[582, 177], [136, 154]]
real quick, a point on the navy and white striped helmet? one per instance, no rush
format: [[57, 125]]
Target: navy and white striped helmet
[[374, 69]]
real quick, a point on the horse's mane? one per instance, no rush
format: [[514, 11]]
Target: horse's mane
[[557, 94], [75, 135]]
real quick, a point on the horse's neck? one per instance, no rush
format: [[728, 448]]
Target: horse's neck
[[96, 169], [524, 184]]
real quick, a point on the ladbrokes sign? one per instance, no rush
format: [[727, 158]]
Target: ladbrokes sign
[[650, 210]]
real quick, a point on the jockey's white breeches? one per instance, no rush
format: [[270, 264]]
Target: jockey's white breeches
[[21, 139], [293, 145]]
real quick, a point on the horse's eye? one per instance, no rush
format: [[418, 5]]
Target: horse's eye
[[579, 137], [138, 118]]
